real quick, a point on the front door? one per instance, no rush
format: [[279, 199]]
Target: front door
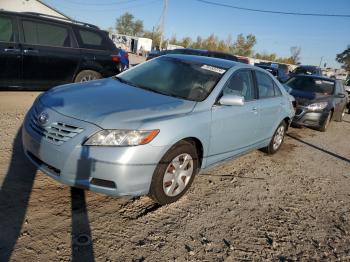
[[10, 53], [233, 128]]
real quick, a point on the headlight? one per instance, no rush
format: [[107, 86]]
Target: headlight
[[121, 137], [317, 106]]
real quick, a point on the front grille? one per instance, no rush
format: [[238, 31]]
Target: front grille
[[55, 132]]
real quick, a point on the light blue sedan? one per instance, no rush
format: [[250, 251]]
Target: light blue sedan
[[151, 129]]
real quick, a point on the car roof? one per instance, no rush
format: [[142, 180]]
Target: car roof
[[316, 77], [206, 60], [50, 18]]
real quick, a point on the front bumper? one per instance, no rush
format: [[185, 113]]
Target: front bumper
[[305, 117], [115, 171]]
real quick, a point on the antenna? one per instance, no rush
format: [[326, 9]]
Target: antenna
[[162, 23]]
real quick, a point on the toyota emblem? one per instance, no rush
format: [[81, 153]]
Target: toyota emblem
[[43, 118]]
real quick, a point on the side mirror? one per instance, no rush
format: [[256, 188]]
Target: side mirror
[[231, 100], [341, 95]]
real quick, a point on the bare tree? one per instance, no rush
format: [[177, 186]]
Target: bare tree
[[295, 54]]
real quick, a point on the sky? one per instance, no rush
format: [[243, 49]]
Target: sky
[[317, 36]]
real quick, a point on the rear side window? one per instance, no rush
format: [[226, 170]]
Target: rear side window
[[94, 40], [240, 84], [45, 34], [265, 85], [6, 29]]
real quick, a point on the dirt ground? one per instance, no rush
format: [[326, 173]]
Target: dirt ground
[[294, 205]]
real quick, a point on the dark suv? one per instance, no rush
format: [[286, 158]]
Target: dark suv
[[39, 51]]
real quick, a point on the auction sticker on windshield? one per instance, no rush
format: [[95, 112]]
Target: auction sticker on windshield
[[214, 69]]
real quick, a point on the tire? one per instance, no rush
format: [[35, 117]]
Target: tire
[[87, 75], [276, 140], [325, 125], [165, 187]]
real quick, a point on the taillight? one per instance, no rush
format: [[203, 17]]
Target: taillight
[[115, 58]]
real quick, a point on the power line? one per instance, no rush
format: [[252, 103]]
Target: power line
[[272, 12]]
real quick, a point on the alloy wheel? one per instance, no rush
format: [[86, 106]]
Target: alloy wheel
[[278, 138]]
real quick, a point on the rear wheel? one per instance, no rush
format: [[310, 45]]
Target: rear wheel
[[174, 173], [87, 75], [276, 140]]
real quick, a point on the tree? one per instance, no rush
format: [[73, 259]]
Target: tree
[[138, 28], [126, 25], [295, 54], [244, 45], [344, 58]]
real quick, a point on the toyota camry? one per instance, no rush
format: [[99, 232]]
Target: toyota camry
[[151, 129]]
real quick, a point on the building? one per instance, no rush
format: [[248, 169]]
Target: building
[[36, 6], [132, 44]]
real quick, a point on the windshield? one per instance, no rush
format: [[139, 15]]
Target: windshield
[[311, 85], [174, 77]]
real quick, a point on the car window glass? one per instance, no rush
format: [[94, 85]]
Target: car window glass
[[90, 38], [175, 77], [94, 40], [6, 30], [241, 84], [45, 34], [265, 85], [277, 90]]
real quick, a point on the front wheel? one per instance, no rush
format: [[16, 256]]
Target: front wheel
[[325, 125], [174, 173], [276, 140]]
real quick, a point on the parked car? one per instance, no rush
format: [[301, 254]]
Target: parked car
[[40, 51], [142, 132], [347, 89], [276, 72], [319, 100], [198, 52], [307, 70], [156, 53]]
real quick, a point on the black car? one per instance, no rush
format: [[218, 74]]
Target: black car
[[277, 72], [307, 70], [192, 51], [319, 100], [39, 51]]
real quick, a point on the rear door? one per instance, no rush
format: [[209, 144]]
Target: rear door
[[233, 128], [49, 56], [271, 103], [10, 52], [98, 51]]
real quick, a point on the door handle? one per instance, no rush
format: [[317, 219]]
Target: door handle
[[254, 110], [26, 51], [14, 50]]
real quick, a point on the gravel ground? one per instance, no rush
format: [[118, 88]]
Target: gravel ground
[[290, 206]]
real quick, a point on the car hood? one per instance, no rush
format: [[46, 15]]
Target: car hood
[[306, 98], [109, 103]]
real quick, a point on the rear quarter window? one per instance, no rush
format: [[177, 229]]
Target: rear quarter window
[[91, 39]]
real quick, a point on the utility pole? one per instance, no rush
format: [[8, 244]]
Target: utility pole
[[321, 61], [162, 23]]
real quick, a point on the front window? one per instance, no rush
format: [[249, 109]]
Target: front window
[[175, 77], [312, 85]]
